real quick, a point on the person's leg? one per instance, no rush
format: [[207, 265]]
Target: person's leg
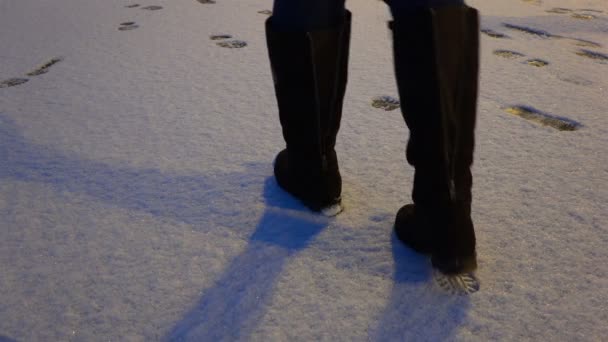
[[400, 6], [436, 53], [308, 43], [307, 15]]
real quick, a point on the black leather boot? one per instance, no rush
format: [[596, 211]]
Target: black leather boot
[[310, 73], [436, 54]]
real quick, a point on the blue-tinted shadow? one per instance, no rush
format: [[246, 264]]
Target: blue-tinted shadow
[[234, 306], [415, 311], [193, 199], [6, 339]]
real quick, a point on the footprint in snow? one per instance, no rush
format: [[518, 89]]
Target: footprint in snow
[[11, 82], [559, 10], [530, 31], [44, 68], [206, 1], [385, 102], [266, 12], [220, 36], [533, 2], [508, 54], [582, 16], [152, 8], [514, 54], [494, 34], [461, 285], [132, 6], [539, 63], [594, 55], [536, 116], [575, 80], [585, 43], [232, 44], [128, 26], [590, 10], [547, 35], [380, 217]]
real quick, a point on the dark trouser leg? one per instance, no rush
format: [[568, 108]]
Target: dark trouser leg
[[309, 63], [400, 6], [436, 66], [307, 15]]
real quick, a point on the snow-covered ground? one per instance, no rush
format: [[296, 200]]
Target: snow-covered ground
[[137, 200]]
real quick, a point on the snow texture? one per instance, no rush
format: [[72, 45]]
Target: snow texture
[[137, 201]]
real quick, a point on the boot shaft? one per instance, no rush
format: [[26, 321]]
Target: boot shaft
[[310, 74], [436, 64], [310, 71]]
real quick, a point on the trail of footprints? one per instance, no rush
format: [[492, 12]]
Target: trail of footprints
[[131, 25], [42, 69], [533, 114], [232, 44], [221, 38]]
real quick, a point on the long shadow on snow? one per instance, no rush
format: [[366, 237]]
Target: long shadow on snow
[[232, 309], [6, 339], [415, 311], [192, 199], [234, 305]]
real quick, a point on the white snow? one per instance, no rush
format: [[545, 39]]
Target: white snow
[[137, 201]]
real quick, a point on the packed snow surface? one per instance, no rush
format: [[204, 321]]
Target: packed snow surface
[[137, 201]]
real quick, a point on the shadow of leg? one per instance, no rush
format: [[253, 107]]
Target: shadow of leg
[[233, 307]]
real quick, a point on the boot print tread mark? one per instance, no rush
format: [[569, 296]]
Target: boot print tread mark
[[536, 116], [539, 63], [128, 26], [44, 68], [11, 82], [232, 44], [387, 103], [460, 285]]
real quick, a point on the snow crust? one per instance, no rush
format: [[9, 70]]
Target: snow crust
[[137, 201]]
